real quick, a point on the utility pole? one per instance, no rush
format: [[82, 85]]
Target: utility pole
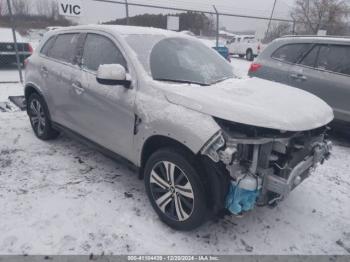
[[127, 12], [217, 26], [273, 10], [15, 40]]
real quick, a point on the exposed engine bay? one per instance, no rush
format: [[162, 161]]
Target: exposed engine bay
[[265, 165]]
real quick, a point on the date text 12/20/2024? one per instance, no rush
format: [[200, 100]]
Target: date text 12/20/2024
[[173, 258]]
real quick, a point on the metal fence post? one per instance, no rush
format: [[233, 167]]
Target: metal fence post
[[217, 26], [127, 12], [15, 41], [294, 23]]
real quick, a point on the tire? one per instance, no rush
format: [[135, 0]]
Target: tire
[[180, 204], [249, 55], [39, 118]]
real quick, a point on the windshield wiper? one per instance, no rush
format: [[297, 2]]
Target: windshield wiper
[[181, 81]]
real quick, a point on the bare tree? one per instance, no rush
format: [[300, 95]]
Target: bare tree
[[20, 7], [314, 15], [42, 7], [47, 8], [53, 7], [277, 30], [3, 7]]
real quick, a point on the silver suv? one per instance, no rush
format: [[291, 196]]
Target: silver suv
[[319, 65], [205, 141]]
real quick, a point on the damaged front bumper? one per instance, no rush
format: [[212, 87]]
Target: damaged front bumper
[[265, 169], [283, 186]]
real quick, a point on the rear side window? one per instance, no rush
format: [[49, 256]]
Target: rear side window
[[334, 58], [99, 50], [311, 58], [47, 45], [64, 48], [291, 53]]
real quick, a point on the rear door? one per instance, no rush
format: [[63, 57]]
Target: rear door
[[61, 69], [325, 72], [104, 113], [278, 66]]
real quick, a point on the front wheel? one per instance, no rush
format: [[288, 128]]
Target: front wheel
[[175, 190]]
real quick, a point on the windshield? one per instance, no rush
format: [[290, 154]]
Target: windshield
[[180, 60]]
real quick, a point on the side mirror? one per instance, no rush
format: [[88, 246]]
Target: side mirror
[[113, 74]]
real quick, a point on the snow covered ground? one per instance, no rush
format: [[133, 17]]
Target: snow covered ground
[[8, 73], [60, 197]]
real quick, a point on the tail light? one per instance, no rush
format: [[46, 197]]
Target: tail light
[[30, 49], [254, 67]]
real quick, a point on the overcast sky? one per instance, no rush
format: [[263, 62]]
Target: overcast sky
[[96, 12]]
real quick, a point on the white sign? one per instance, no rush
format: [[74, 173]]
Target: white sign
[[322, 32], [70, 7], [173, 23]]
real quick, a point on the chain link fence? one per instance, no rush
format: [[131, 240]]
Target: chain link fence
[[24, 22]]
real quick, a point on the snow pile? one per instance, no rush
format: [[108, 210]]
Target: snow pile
[[60, 197]]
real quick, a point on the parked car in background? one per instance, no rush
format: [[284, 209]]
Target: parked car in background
[[245, 46], [319, 65], [204, 140], [7, 47]]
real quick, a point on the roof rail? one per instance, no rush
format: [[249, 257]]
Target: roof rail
[[318, 36]]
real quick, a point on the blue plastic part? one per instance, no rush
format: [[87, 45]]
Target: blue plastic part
[[239, 200], [223, 51]]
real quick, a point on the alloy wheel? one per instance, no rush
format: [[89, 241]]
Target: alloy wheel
[[37, 117], [172, 191]]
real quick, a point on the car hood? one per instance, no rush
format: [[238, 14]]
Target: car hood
[[255, 102]]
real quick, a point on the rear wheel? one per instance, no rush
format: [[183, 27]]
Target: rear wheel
[[249, 55], [39, 118], [175, 190]]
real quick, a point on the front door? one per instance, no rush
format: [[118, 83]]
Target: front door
[[104, 113]]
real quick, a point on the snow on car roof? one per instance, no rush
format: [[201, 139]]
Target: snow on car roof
[[6, 35]]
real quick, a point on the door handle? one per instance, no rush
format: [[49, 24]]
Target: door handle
[[78, 88], [298, 76]]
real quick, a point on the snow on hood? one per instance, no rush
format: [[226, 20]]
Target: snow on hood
[[255, 102]]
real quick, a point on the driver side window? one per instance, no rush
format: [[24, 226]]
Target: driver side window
[[99, 50]]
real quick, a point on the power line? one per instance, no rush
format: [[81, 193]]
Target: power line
[[200, 6], [195, 10]]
